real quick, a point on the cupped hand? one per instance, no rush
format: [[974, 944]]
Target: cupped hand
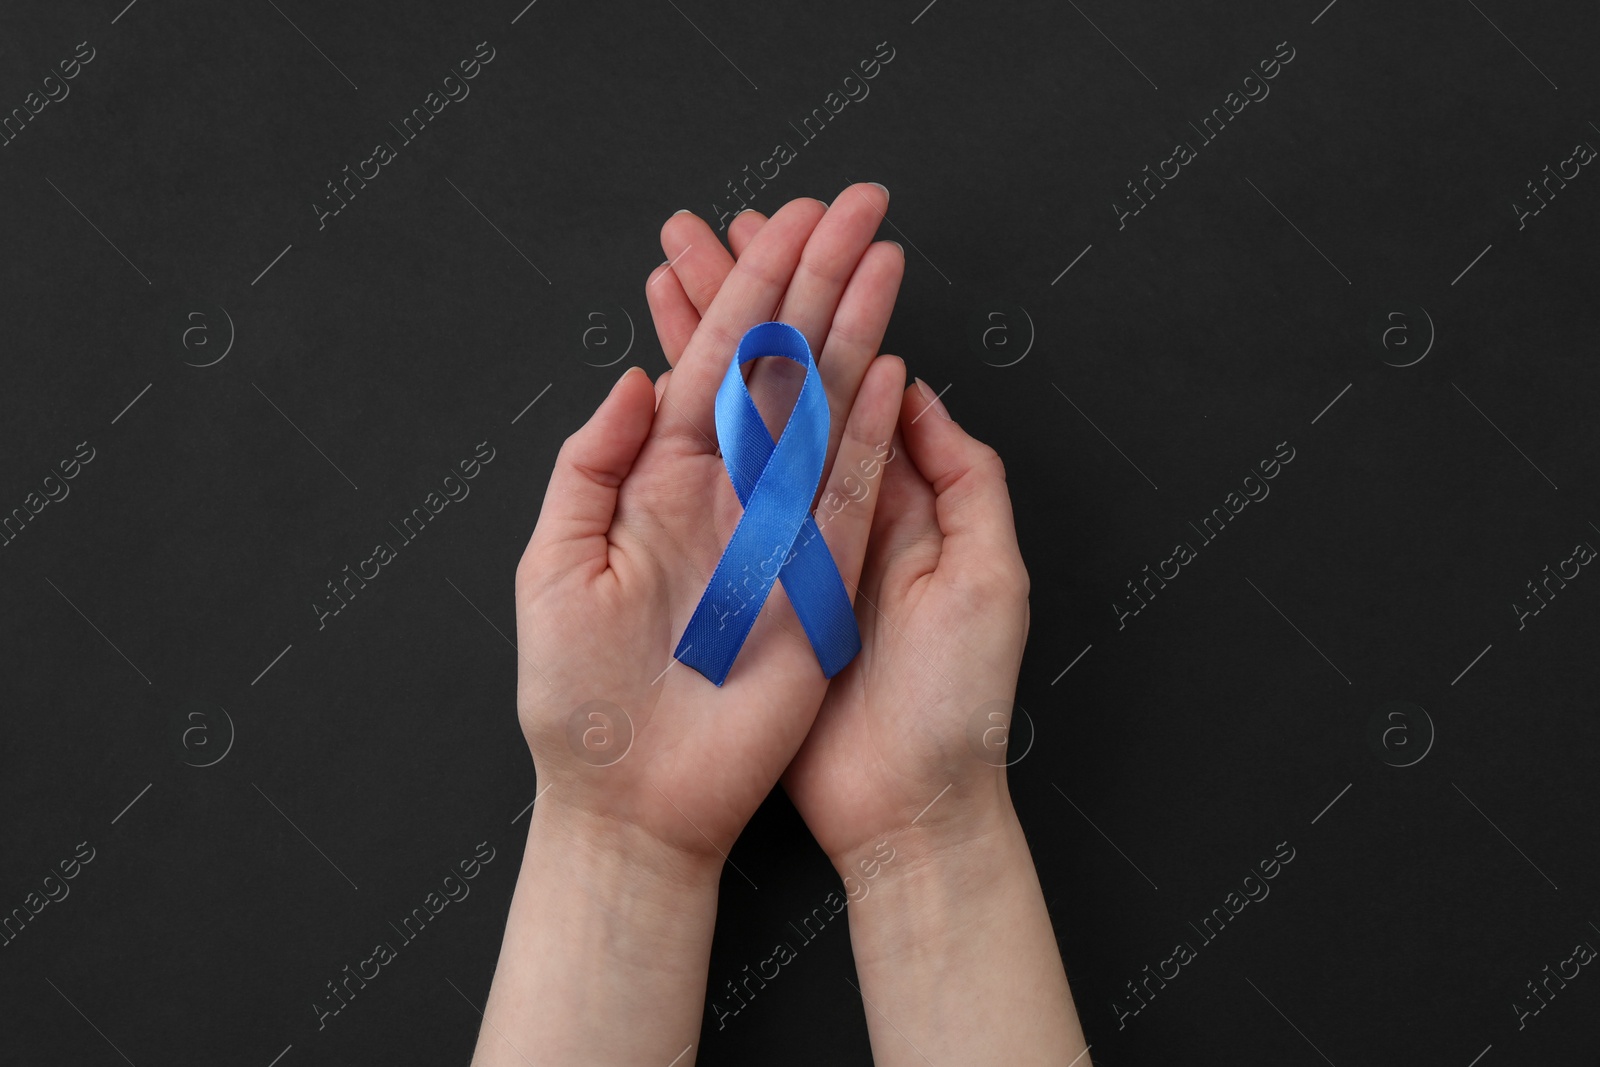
[[637, 513], [913, 733]]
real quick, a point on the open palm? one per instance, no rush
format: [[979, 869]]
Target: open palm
[[637, 513]]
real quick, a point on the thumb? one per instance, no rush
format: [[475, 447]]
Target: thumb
[[971, 502], [593, 462]]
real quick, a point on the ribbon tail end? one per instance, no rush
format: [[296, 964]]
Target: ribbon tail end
[[838, 659], [712, 668]]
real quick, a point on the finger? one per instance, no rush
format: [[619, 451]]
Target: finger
[[905, 538], [972, 504], [850, 498], [675, 317], [697, 257], [661, 386], [750, 295], [830, 258], [674, 313], [742, 230], [826, 267], [592, 464], [857, 331]]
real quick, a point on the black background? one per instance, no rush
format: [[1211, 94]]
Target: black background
[[1197, 338]]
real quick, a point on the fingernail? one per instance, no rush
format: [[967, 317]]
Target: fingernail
[[882, 186], [898, 245], [933, 400], [681, 211]]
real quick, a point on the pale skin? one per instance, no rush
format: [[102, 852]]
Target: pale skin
[[608, 939]]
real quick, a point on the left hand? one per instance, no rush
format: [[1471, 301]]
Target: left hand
[[638, 511]]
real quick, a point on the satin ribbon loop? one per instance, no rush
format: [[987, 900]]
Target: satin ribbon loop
[[776, 537]]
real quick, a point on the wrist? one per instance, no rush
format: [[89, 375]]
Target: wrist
[[943, 896], [606, 923], [956, 907], [964, 821], [616, 860]]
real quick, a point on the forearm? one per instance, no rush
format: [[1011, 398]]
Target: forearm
[[956, 955], [605, 953]]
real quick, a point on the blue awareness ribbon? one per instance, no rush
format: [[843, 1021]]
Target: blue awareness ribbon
[[776, 536]]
